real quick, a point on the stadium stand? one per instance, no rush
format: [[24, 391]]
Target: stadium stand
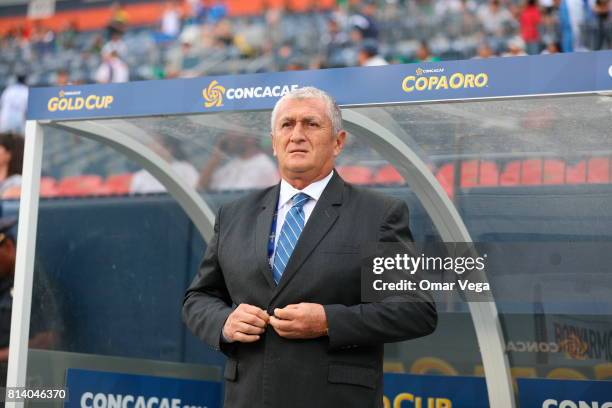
[[119, 183], [231, 37]]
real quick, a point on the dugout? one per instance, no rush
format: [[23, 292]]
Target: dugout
[[496, 150]]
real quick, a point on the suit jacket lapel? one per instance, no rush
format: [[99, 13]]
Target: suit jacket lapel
[[319, 223], [262, 233]]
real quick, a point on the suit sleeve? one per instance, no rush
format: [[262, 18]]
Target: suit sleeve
[[383, 322], [207, 302]]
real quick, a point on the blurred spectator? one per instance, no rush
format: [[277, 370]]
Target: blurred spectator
[[516, 47], [96, 45], [496, 19], [295, 64], [603, 30], [13, 106], [443, 7], [423, 54], [284, 55], [11, 161], [62, 78], [334, 40], [365, 21], [246, 166], [565, 26], [68, 36], [356, 36], [576, 18], [530, 19], [112, 69], [180, 60], [24, 42], [42, 39], [223, 34], [195, 11], [552, 48], [118, 20], [143, 182], [45, 320], [469, 19], [115, 44], [171, 20], [484, 50], [550, 26], [216, 11], [546, 5], [368, 55]]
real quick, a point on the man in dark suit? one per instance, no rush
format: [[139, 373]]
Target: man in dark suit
[[279, 288]]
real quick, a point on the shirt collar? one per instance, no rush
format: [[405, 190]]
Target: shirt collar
[[314, 190]]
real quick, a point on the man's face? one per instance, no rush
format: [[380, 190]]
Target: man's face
[[303, 139]]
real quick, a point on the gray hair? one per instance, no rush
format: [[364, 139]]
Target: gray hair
[[333, 111]]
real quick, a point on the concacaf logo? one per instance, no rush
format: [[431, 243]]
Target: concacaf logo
[[213, 94]]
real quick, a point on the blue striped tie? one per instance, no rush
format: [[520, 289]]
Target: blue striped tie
[[289, 234]]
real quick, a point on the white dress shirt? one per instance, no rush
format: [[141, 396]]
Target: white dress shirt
[[287, 191]]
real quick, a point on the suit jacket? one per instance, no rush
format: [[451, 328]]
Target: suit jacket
[[343, 369]]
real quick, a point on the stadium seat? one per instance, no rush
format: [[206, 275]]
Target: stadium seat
[[511, 176], [119, 183], [445, 176], [554, 172], [356, 174], [388, 175], [84, 185], [48, 187], [479, 173], [103, 190], [599, 170], [575, 173], [474, 173], [530, 172]]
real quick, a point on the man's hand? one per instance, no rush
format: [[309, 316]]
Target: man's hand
[[301, 321], [245, 324]]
